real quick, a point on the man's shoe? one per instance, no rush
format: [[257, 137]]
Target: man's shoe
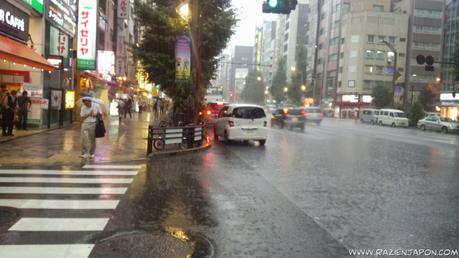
[[85, 156]]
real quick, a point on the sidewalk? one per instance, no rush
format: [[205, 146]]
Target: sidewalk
[[126, 140], [21, 133]]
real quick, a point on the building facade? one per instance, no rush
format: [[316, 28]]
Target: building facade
[[241, 63]]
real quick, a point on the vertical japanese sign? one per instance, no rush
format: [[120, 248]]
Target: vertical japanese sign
[[87, 30], [123, 9], [59, 42], [183, 57]]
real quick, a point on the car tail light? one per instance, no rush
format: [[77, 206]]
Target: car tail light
[[302, 113], [321, 114], [231, 123], [209, 112], [265, 124]]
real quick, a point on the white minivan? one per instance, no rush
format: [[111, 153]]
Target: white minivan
[[392, 117], [242, 122]]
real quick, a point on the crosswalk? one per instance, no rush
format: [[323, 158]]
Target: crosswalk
[[58, 207]]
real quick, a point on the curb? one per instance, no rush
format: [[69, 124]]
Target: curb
[[35, 133], [175, 152]]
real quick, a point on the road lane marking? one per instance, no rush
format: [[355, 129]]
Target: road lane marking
[[40, 251], [61, 190], [69, 172], [60, 224], [113, 166], [60, 204], [65, 180]]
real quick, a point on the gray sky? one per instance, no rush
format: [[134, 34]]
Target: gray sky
[[249, 15]]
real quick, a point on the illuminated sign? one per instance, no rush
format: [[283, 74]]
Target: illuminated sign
[[123, 8], [449, 97], [367, 99], [37, 5], [56, 61], [106, 62], [69, 99], [87, 22], [59, 42], [13, 21], [61, 14], [350, 98]]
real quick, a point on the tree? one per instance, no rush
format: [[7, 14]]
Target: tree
[[456, 59], [295, 92], [382, 96], [428, 96], [253, 91], [279, 81], [416, 113], [161, 25]]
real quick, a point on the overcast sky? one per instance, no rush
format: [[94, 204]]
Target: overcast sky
[[249, 15]]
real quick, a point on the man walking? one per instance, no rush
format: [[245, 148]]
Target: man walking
[[24, 104], [9, 104], [88, 114]]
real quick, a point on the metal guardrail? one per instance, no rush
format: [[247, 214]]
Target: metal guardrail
[[170, 138]]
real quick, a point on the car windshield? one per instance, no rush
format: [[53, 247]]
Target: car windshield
[[295, 112], [249, 112], [446, 119], [399, 114], [312, 110]]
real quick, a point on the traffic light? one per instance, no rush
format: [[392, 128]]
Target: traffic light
[[428, 60], [279, 6]]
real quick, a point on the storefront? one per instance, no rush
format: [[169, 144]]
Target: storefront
[[350, 105], [60, 27], [449, 105], [22, 66]]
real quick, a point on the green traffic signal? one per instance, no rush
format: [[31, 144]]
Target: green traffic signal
[[273, 3]]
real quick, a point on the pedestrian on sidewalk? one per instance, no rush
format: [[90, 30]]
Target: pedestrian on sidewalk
[[88, 114], [24, 105], [9, 105], [128, 108]]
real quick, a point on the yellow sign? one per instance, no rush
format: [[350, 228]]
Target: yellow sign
[[69, 99], [308, 102]]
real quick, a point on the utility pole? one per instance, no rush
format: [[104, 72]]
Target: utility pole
[[195, 34], [394, 74]]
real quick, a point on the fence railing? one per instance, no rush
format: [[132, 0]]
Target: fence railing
[[174, 138]]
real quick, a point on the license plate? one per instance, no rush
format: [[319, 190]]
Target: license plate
[[294, 119]]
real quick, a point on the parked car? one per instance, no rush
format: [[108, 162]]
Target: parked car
[[290, 117], [211, 110], [314, 115], [242, 122], [369, 115], [392, 117], [437, 123]]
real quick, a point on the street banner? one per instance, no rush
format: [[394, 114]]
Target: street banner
[[183, 57], [123, 8], [87, 31], [59, 43]]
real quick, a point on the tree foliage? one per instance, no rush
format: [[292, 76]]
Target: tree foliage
[[415, 113], [428, 96], [253, 91], [279, 81], [295, 92], [161, 25], [456, 59], [382, 96]]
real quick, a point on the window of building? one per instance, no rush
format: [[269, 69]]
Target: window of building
[[340, 69], [401, 54], [321, 31], [381, 38], [402, 39], [427, 29], [342, 40], [392, 40], [351, 83], [355, 38], [379, 69], [320, 46], [341, 55], [352, 69], [331, 73], [322, 16], [333, 57], [370, 54], [427, 13], [368, 69], [380, 55], [353, 54], [319, 61], [339, 84], [378, 8], [371, 38], [346, 7]]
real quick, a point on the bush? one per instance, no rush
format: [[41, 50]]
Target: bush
[[416, 113]]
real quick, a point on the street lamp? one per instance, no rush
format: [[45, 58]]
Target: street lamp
[[184, 10], [303, 87], [258, 78], [293, 68], [285, 89]]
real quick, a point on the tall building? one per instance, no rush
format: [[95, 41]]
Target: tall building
[[241, 64], [268, 51], [450, 36], [425, 37], [369, 42]]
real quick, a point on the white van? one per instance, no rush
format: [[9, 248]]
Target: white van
[[369, 115], [392, 117], [240, 122]]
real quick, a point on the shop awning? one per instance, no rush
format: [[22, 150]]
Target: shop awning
[[14, 51]]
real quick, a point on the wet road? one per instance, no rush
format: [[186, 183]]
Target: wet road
[[339, 186]]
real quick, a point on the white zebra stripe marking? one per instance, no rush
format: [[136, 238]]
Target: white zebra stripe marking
[[113, 166], [40, 251], [60, 224], [69, 172], [62, 190], [65, 180], [60, 204]]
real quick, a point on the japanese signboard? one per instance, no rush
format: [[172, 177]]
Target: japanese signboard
[[62, 15], [105, 62], [37, 5], [13, 21], [123, 9], [87, 22], [183, 57], [59, 43]]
